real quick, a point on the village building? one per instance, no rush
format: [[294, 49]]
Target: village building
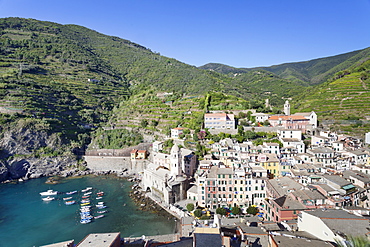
[[219, 121], [333, 225], [165, 179], [176, 132]]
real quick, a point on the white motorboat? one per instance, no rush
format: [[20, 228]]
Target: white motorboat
[[49, 193], [48, 198]]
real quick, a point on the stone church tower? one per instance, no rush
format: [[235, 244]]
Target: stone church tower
[[287, 108], [175, 159]]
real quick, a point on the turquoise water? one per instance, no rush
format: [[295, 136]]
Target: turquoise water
[[26, 220]]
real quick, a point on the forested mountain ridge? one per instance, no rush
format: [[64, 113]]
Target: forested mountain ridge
[[307, 73]]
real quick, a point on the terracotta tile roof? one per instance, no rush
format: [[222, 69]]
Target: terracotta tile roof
[[291, 117], [215, 115]]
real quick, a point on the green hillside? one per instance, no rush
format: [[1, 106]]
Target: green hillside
[[74, 79], [306, 73], [345, 98]]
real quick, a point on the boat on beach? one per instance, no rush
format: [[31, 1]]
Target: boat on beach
[[49, 193]]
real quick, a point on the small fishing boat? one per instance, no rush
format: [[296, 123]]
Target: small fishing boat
[[99, 216], [84, 197], [71, 192], [49, 198], [87, 189], [102, 212], [100, 193], [85, 201], [85, 204], [88, 193], [49, 193], [69, 202], [85, 221], [100, 206], [98, 198], [100, 203], [67, 198]]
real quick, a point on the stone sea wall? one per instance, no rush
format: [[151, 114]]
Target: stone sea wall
[[118, 165]]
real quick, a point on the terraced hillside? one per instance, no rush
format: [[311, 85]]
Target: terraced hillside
[[163, 111], [343, 103]]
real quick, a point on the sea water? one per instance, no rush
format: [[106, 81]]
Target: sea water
[[27, 220]]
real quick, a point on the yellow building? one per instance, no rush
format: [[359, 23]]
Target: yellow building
[[271, 163]]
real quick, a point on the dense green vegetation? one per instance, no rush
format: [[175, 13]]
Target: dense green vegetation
[[343, 101], [306, 73], [116, 138]]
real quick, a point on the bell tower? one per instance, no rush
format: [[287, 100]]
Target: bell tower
[[287, 108]]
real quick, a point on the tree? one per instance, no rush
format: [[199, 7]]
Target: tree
[[354, 241], [190, 207], [198, 213], [155, 122], [221, 211], [143, 123], [235, 210], [252, 210]]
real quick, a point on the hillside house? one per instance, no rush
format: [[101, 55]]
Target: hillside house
[[176, 132], [219, 121]]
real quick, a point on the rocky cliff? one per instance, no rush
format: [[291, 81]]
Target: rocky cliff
[[30, 151]]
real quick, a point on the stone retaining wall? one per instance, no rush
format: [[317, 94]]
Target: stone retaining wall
[[115, 164]]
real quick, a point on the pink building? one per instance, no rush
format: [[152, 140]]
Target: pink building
[[290, 122]]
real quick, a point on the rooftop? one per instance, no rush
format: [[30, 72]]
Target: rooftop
[[99, 239]]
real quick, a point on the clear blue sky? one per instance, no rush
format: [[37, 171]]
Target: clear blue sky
[[239, 33]]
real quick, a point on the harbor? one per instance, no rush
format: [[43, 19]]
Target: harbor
[[24, 213]]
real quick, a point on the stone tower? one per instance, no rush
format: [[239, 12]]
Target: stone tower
[[175, 160], [287, 108]]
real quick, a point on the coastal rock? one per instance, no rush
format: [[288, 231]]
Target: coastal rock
[[27, 149], [3, 172]]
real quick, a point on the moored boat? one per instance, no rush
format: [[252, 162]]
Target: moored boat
[[69, 202], [102, 212], [85, 221], [49, 193], [67, 198], [88, 193], [87, 189], [85, 204], [71, 192], [99, 216], [49, 198]]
